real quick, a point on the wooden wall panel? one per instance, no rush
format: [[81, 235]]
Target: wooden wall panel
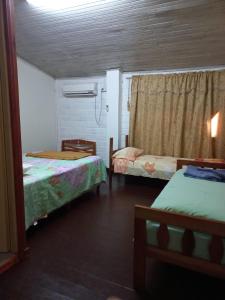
[[4, 203], [12, 229], [13, 136], [134, 35]]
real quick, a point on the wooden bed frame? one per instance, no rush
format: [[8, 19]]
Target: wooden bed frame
[[184, 259], [111, 152], [207, 162], [79, 146]]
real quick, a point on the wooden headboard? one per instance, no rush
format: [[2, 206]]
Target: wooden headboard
[[79, 146], [111, 151], [204, 164]]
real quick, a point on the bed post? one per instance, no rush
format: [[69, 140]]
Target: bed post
[[94, 149], [127, 141], [110, 162], [139, 253], [62, 146], [98, 189]]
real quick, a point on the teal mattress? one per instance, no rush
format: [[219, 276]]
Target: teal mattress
[[195, 197]]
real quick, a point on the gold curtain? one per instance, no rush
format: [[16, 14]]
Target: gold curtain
[[170, 114]]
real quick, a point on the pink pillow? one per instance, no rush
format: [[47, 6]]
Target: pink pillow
[[129, 153]]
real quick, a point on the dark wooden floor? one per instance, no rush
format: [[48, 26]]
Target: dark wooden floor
[[86, 251]]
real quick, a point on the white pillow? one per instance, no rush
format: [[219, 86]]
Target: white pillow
[[129, 153]]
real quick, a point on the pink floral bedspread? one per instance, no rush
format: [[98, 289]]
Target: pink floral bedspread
[[162, 167]]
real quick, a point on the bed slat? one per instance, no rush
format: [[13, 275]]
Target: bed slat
[[188, 242], [163, 236], [216, 249]]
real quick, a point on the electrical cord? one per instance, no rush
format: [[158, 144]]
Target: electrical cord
[[98, 118]]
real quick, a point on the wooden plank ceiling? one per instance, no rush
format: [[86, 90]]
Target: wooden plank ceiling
[[133, 35]]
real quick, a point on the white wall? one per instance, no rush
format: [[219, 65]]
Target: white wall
[[76, 116], [37, 108], [113, 79]]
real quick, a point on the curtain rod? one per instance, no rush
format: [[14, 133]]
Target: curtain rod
[[179, 71]]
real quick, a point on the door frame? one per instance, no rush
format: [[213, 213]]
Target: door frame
[[14, 111]]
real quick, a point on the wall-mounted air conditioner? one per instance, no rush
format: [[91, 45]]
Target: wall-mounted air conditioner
[[80, 90]]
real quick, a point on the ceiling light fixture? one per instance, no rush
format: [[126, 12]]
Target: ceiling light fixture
[[58, 4]]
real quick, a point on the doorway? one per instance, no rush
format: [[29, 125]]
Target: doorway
[[12, 228]]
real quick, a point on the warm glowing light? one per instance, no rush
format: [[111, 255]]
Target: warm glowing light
[[214, 125], [58, 4]]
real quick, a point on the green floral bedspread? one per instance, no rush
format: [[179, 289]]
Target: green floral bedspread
[[50, 184]]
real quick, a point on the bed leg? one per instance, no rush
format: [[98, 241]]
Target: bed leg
[[110, 162], [139, 254], [98, 190], [110, 180]]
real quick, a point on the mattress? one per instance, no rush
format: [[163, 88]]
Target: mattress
[[162, 167], [195, 197], [49, 183]]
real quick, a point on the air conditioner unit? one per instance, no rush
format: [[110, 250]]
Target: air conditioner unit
[[80, 90]]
